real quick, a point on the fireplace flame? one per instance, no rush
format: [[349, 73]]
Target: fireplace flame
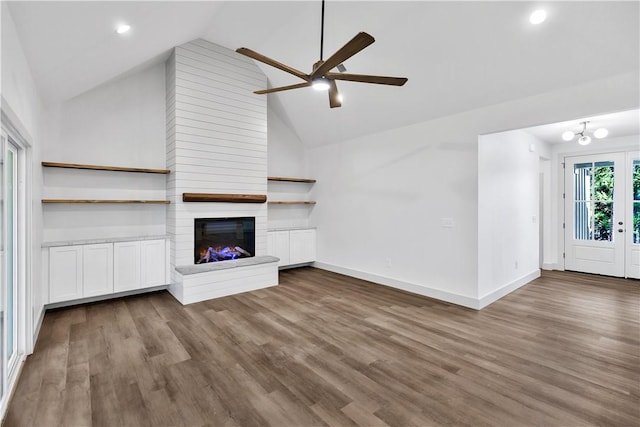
[[221, 253]]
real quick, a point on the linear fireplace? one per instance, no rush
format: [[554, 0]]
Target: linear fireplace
[[223, 239]]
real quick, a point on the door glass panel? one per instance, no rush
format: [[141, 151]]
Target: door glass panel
[[582, 181], [582, 220], [2, 281], [9, 307], [603, 181], [636, 201], [593, 201], [602, 216]]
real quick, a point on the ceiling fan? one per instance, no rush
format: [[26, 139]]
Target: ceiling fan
[[321, 77]]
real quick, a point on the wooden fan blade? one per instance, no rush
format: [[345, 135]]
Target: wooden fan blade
[[266, 60], [364, 78], [353, 46], [281, 88], [334, 96]]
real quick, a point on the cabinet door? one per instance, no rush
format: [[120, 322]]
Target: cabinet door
[[278, 245], [153, 263], [302, 246], [126, 266], [97, 269], [65, 273]]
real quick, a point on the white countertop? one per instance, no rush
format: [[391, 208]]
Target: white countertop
[[103, 240]]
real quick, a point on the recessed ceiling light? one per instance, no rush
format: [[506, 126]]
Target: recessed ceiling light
[[538, 17], [123, 28]]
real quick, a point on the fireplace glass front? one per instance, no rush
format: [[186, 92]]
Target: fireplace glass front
[[223, 239]]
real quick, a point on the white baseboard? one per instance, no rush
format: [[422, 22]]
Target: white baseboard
[[552, 266], [36, 330], [507, 289], [438, 294], [399, 284]]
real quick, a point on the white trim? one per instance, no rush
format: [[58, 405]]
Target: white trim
[[405, 286], [549, 266], [15, 134], [507, 289], [37, 326], [97, 298]]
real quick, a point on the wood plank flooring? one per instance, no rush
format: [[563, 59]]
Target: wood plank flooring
[[324, 349]]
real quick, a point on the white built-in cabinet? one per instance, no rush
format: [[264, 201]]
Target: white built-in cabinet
[[278, 245], [82, 271], [97, 269], [65, 273], [153, 263], [293, 247], [302, 246], [127, 266]]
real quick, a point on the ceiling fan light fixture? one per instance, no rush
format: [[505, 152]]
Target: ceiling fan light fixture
[[584, 140], [568, 135], [601, 133], [320, 83]]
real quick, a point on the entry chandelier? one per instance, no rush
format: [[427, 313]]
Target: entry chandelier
[[583, 138]]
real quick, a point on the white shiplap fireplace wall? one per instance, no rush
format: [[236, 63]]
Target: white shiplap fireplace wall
[[216, 143]]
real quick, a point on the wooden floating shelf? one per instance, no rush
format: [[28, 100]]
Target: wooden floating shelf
[[147, 202], [285, 179], [224, 198], [292, 203], [104, 168]]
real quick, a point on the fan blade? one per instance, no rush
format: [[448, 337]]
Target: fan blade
[[364, 78], [334, 96], [353, 46], [281, 88], [266, 60]]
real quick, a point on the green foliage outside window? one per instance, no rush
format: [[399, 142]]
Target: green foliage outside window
[[603, 195]]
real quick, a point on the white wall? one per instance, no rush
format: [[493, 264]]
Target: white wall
[[286, 155], [120, 123], [508, 212], [286, 158], [385, 200], [21, 105]]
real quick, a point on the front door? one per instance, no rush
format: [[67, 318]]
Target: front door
[[601, 233]]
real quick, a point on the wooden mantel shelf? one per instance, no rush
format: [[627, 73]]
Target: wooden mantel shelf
[[104, 168], [224, 198], [149, 202], [285, 179]]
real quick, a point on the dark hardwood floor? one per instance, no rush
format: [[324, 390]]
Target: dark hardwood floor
[[324, 349]]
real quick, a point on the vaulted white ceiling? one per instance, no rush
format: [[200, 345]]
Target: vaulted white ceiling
[[458, 56]]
